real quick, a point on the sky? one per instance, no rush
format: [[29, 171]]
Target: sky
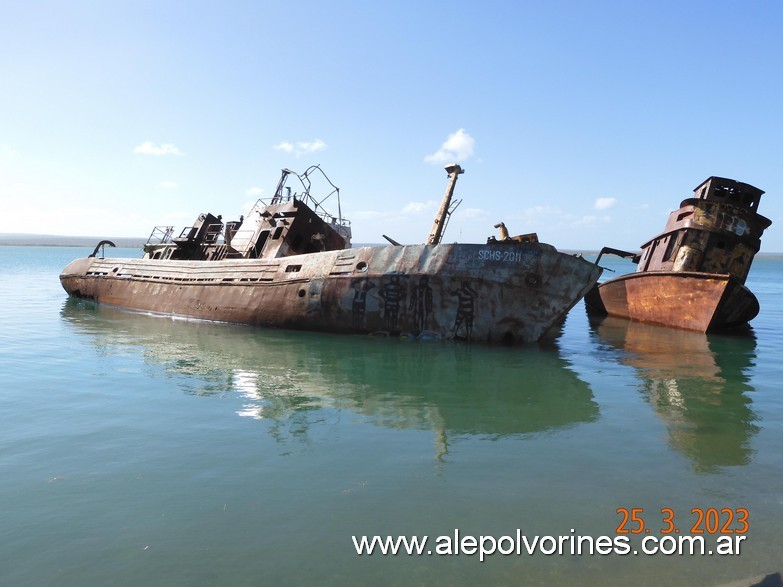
[[585, 122]]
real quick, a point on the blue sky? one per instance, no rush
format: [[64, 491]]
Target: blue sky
[[586, 122]]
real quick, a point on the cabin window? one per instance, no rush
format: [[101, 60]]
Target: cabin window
[[684, 215], [672, 241], [278, 232], [261, 242], [644, 263], [293, 268]]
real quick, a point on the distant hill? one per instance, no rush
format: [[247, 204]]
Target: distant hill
[[49, 240]]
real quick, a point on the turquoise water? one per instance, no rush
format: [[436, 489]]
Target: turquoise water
[[145, 450]]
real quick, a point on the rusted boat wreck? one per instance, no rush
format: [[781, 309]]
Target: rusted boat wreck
[[692, 275], [290, 264]]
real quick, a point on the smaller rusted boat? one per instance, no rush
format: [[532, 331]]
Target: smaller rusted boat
[[290, 264], [692, 275]]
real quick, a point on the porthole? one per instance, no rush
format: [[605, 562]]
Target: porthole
[[361, 266], [301, 293], [532, 280]]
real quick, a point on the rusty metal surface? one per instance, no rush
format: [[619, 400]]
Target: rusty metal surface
[[291, 223], [441, 218], [706, 236], [686, 300], [692, 275], [483, 293], [289, 264]]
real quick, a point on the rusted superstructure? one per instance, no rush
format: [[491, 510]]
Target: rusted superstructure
[[692, 275], [290, 264]]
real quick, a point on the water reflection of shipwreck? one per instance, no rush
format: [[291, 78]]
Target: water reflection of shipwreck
[[290, 264], [692, 276], [289, 380], [705, 401]]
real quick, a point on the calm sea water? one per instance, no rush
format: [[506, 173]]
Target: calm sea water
[[145, 450]]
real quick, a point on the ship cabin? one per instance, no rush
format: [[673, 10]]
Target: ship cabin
[[288, 224], [285, 228], [716, 231], [269, 231]]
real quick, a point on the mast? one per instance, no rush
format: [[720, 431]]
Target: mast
[[436, 232], [278, 197]]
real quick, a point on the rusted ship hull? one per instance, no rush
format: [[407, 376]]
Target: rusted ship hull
[[695, 301], [484, 293]]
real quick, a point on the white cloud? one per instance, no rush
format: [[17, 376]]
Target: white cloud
[[418, 207], [255, 192], [605, 203], [301, 148], [168, 184], [311, 147], [150, 148], [284, 146], [457, 147]]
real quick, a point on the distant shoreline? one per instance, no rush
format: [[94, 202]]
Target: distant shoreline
[[45, 240]]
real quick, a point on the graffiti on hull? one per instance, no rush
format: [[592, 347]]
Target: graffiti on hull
[[421, 303], [392, 294], [361, 288], [397, 303], [466, 311]]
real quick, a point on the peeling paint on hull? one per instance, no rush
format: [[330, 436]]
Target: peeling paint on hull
[[481, 293]]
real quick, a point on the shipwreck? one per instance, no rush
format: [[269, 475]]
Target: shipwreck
[[692, 275], [290, 264]]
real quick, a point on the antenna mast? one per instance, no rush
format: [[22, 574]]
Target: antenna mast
[[436, 232]]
